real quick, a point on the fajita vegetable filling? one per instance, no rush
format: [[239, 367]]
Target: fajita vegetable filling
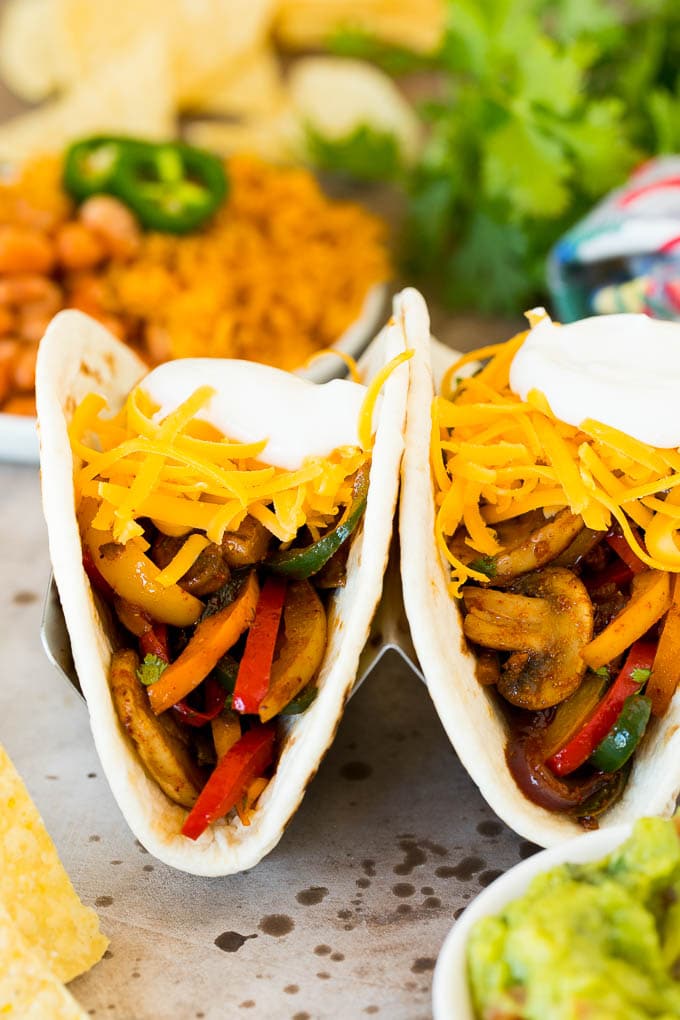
[[563, 552]]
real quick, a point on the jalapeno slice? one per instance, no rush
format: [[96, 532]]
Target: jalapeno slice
[[90, 164], [172, 187]]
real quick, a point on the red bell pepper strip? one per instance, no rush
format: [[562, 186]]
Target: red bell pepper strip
[[235, 771], [154, 641], [618, 573], [624, 552], [215, 698], [98, 582], [254, 670], [593, 732]]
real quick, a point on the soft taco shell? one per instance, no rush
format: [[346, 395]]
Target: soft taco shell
[[77, 356], [471, 716]]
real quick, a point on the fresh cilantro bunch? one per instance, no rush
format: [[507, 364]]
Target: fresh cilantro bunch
[[542, 108]]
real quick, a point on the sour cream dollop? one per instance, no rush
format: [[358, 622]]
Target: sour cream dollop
[[622, 370], [252, 402]]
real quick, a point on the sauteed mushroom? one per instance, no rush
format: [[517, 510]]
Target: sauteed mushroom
[[545, 622], [207, 575], [158, 740], [530, 542], [247, 545]]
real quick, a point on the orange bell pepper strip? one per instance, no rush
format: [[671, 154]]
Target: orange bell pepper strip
[[231, 779], [212, 638], [254, 669], [666, 667], [650, 599]]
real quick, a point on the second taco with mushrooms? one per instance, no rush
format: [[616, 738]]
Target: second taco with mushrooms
[[540, 541], [218, 533]]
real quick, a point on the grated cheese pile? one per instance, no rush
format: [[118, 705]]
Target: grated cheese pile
[[495, 456], [186, 477]]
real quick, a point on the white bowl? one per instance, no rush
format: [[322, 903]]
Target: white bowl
[[450, 992]]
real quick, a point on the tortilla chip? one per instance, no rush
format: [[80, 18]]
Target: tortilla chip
[[131, 95], [28, 989], [416, 24], [29, 59], [249, 86], [36, 892]]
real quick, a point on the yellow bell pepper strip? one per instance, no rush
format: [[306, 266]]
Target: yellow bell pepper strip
[[256, 663], [666, 667], [246, 808], [650, 599], [301, 651], [134, 577], [226, 731], [231, 779], [213, 636]]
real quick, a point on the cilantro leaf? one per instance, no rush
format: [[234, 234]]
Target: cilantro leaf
[[151, 669], [602, 671], [485, 565], [640, 676]]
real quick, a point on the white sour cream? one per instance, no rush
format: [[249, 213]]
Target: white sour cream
[[252, 402], [622, 370]]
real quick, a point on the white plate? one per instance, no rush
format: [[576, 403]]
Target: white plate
[[450, 992], [19, 438]]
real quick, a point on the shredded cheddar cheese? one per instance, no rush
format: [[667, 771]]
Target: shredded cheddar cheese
[[185, 477], [368, 406], [495, 457]]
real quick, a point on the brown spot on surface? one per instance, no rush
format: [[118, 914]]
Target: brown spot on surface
[[368, 867], [322, 950], [291, 989], [93, 839], [310, 897], [24, 598], [427, 890], [527, 849], [463, 871], [231, 941], [414, 856], [356, 770], [323, 974], [487, 877], [435, 848], [348, 927], [301, 1016], [276, 925], [116, 862], [489, 828], [404, 908], [53, 777], [344, 915], [142, 848], [108, 954], [423, 964], [103, 901], [432, 902], [403, 889], [148, 867], [135, 974], [372, 1009], [337, 957], [363, 883], [247, 1004], [457, 913]]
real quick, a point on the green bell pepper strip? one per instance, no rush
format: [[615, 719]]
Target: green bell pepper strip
[[302, 701], [303, 563], [624, 736], [171, 187], [91, 163]]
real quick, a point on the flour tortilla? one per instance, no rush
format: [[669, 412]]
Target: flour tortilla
[[77, 356], [471, 715]]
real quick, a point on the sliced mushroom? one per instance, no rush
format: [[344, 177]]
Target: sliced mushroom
[[528, 543], [545, 622], [158, 741], [248, 545], [206, 575]]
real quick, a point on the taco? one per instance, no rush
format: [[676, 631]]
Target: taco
[[540, 564], [218, 532]]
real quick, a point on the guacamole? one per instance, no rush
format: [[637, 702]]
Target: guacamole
[[596, 941]]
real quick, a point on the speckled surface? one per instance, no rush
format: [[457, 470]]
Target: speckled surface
[[344, 919]]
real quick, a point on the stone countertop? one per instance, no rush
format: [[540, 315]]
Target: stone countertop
[[345, 917]]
